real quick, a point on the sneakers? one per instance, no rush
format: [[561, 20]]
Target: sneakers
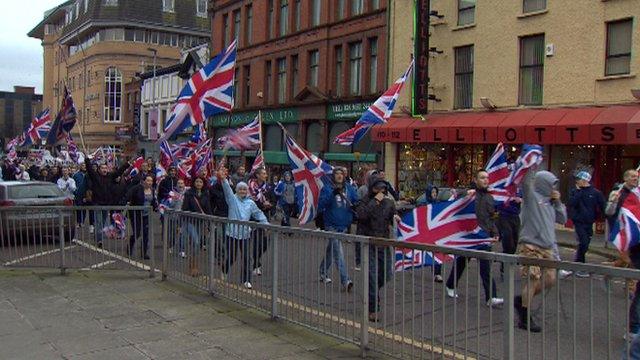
[[91, 229], [582, 274], [357, 268], [493, 302], [247, 285], [525, 322], [348, 286], [257, 271], [325, 279], [438, 278], [563, 274], [183, 254], [452, 293]]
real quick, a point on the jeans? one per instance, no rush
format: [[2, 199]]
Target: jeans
[[634, 309], [377, 275], [634, 349], [101, 221], [334, 252], [233, 246], [140, 224], [485, 274], [189, 232], [287, 209], [260, 245], [584, 232]]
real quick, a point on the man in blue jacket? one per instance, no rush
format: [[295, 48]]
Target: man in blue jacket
[[585, 202], [335, 204]]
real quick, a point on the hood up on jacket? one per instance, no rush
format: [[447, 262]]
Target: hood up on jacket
[[545, 183]]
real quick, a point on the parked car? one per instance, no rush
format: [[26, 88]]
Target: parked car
[[24, 212]]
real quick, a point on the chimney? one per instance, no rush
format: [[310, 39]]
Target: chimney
[[30, 90]]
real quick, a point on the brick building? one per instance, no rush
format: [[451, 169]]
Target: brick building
[[313, 65], [95, 47], [17, 109]]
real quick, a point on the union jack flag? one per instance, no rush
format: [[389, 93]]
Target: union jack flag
[[625, 232], [37, 129], [530, 156], [135, 167], [310, 176], [377, 113], [65, 120], [169, 202], [448, 223], [14, 142], [208, 92], [245, 138], [200, 134], [203, 155], [72, 148], [161, 172], [499, 173], [258, 162], [166, 156]]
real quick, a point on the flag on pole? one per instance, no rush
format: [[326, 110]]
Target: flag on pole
[[65, 120], [72, 148], [310, 176], [38, 128], [209, 92], [377, 113], [245, 138], [258, 163], [530, 156], [135, 167], [499, 173], [625, 232], [166, 156], [448, 223]]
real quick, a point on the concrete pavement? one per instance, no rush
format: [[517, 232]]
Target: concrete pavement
[[125, 315]]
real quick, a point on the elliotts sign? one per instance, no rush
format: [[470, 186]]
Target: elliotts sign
[[421, 51], [613, 125]]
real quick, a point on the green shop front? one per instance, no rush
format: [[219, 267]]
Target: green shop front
[[314, 127]]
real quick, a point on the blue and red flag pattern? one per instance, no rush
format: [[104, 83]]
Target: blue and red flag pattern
[[530, 156], [38, 128], [209, 92], [625, 233], [245, 138], [65, 120], [258, 162], [377, 113]]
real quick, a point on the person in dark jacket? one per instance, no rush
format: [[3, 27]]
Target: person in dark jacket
[[509, 224], [265, 199], [485, 213], [82, 185], [376, 213], [336, 205], [196, 200], [103, 186], [585, 204], [616, 199], [286, 193], [141, 195], [168, 183]]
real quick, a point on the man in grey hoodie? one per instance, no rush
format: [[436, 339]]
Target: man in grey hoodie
[[541, 210]]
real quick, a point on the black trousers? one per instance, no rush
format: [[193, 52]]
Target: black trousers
[[140, 224], [260, 245], [509, 230], [488, 284]]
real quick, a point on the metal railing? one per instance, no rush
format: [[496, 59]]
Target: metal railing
[[72, 237], [580, 318], [407, 314]]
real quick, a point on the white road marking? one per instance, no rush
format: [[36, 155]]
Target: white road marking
[[99, 265], [126, 260], [43, 253]]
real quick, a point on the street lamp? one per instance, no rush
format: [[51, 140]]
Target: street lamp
[[153, 91]]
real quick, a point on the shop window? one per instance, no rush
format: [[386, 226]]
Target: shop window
[[466, 12], [420, 165], [112, 95], [531, 70], [248, 30], [336, 129], [292, 129], [463, 84], [273, 138], [284, 17], [469, 159], [533, 5], [314, 137], [567, 161], [618, 60]]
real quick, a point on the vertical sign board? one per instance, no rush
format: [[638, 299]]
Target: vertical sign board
[[421, 56], [153, 124]]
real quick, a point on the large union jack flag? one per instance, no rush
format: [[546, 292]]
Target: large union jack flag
[[499, 173], [38, 128], [625, 232], [530, 156], [65, 120], [245, 138], [448, 223], [208, 92], [166, 156], [135, 167], [310, 176], [377, 113], [258, 162]]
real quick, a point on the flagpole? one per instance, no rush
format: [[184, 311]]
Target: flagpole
[[264, 162]]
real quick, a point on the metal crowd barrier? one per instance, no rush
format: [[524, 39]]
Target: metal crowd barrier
[[72, 237], [581, 318]]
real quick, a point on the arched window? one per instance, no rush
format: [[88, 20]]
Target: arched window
[[112, 95]]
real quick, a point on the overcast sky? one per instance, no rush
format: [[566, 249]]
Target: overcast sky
[[20, 55]]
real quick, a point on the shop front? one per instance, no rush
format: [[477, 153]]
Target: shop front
[[447, 149]]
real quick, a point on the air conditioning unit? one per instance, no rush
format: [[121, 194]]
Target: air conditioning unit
[[550, 50]]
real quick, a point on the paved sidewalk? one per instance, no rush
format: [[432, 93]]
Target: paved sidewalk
[[124, 315]]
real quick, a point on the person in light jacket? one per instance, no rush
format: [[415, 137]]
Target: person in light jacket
[[66, 183], [241, 207]]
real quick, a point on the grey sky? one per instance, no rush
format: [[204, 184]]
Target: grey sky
[[20, 55]]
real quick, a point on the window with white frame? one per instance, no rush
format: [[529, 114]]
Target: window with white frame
[[112, 95], [168, 5], [201, 8], [466, 12], [355, 68], [619, 44]]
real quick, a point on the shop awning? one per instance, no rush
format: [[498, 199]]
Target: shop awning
[[615, 124]]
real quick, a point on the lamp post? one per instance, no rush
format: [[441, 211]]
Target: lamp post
[[153, 82]]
